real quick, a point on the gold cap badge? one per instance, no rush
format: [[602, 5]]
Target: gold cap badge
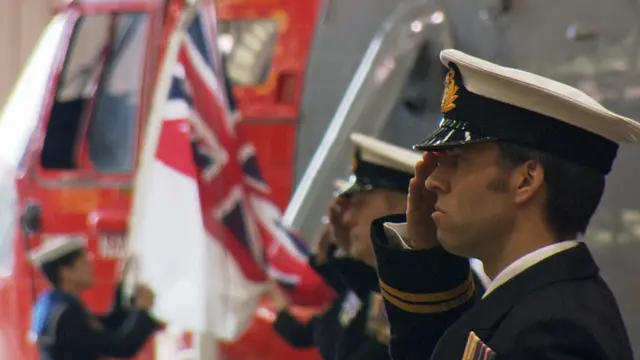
[[450, 92]]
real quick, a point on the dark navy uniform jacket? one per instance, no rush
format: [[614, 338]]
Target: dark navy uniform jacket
[[66, 330], [355, 325], [557, 309]]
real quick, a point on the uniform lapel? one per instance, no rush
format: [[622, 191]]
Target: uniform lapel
[[484, 318]]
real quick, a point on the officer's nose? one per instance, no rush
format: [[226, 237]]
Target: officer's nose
[[438, 181]]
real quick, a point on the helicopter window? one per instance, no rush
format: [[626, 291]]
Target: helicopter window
[[101, 80], [249, 46], [112, 128], [90, 36]]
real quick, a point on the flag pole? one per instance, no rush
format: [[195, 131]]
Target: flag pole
[[167, 344], [152, 133]]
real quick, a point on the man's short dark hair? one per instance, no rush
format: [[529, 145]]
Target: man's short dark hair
[[51, 270], [573, 191]]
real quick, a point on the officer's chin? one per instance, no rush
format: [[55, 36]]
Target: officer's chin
[[454, 245]]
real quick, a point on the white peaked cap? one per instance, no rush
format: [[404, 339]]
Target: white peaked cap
[[486, 102], [541, 95], [378, 165], [384, 154], [55, 248]]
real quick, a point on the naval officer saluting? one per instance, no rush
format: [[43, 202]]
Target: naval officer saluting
[[64, 328], [512, 177], [355, 326]]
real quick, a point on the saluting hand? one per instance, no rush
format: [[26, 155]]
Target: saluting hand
[[420, 204], [323, 243], [339, 229]]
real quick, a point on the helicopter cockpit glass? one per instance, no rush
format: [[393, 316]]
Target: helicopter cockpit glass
[[93, 119], [249, 46], [113, 124]]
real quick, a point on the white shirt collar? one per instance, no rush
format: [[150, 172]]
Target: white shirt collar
[[528, 261]]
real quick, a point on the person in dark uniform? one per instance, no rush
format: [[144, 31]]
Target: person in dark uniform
[[355, 325], [61, 325], [512, 177]]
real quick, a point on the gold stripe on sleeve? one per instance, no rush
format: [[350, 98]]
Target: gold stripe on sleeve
[[430, 308], [429, 297]]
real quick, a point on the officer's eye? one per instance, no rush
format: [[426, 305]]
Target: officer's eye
[[449, 159]]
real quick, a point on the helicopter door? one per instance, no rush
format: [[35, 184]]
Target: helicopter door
[[87, 159]]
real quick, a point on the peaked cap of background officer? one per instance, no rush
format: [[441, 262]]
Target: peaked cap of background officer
[[379, 165], [55, 249], [484, 102]]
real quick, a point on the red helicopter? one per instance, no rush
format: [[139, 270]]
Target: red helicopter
[[66, 169]]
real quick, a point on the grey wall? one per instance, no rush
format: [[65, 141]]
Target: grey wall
[[21, 22], [341, 40]]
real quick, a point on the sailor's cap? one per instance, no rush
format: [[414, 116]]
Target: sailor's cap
[[379, 165], [55, 248], [483, 102]]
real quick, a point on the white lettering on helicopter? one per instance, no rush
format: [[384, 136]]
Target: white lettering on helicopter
[[112, 246]]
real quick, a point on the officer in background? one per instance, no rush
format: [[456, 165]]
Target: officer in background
[[355, 325], [64, 329], [512, 177]]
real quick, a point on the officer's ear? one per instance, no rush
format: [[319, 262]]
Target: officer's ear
[[527, 180]]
